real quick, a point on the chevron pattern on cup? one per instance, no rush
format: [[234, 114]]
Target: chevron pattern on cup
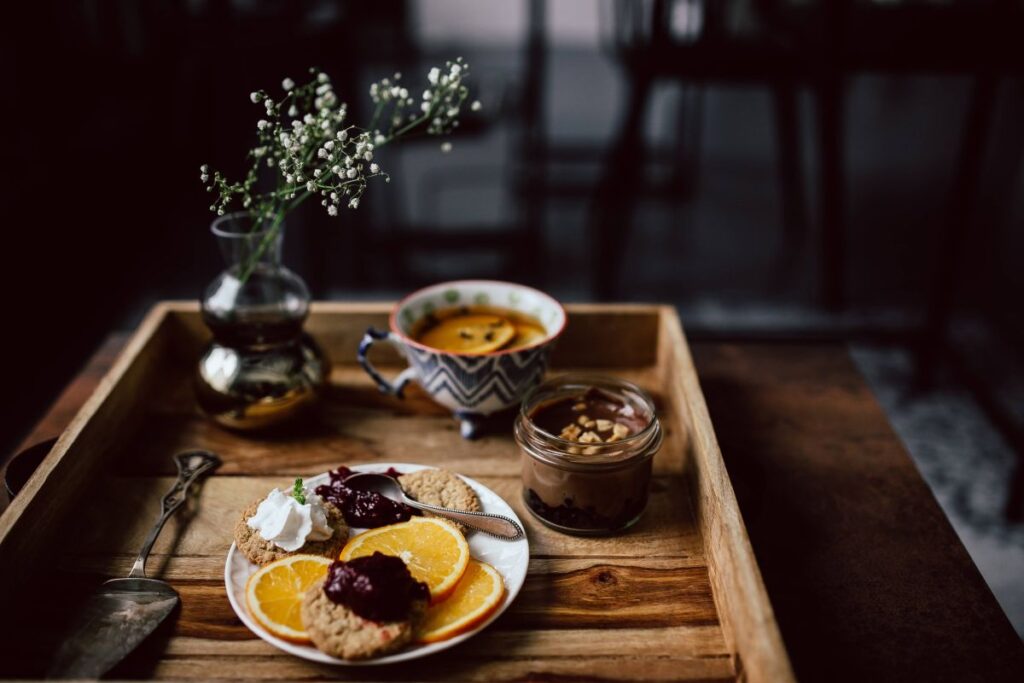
[[483, 384]]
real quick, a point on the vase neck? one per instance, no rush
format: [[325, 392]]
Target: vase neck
[[245, 243]]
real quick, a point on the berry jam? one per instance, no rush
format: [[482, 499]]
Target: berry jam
[[377, 587], [364, 509]]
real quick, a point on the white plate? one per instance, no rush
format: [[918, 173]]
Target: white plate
[[510, 558]]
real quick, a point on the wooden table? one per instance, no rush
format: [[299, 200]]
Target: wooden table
[[867, 578]]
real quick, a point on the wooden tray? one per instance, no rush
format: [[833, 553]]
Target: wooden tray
[[678, 597]]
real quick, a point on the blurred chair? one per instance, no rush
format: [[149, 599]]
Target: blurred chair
[[696, 42], [784, 45]]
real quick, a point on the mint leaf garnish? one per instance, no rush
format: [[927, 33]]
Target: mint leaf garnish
[[299, 493]]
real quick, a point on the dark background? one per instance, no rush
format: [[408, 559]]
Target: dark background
[[776, 169]]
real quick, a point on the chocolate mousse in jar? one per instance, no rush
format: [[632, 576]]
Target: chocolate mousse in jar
[[587, 445]]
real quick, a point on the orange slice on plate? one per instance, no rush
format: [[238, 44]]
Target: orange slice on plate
[[274, 594], [475, 598], [435, 551], [470, 334]]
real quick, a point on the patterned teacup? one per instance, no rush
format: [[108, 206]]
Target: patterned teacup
[[471, 386]]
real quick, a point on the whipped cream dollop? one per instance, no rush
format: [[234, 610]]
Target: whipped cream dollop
[[287, 523]]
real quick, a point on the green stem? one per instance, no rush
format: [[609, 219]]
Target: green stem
[[255, 257]]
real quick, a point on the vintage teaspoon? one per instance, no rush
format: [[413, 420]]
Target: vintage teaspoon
[[495, 525]]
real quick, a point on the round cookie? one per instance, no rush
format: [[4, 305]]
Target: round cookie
[[260, 551], [443, 488], [338, 631]]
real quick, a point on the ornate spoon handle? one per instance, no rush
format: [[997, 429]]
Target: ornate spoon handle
[[495, 525], [191, 466]]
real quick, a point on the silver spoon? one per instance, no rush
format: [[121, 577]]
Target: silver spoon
[[495, 525]]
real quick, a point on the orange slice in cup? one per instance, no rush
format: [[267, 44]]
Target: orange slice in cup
[[470, 334]]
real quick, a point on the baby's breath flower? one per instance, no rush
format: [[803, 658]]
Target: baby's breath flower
[[319, 155], [476, 106]]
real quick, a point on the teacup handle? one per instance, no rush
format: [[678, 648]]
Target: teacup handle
[[392, 388]]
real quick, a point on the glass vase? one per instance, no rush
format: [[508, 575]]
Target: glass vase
[[260, 368]]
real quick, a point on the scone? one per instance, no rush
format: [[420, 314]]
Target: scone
[[340, 632], [261, 551], [443, 488]]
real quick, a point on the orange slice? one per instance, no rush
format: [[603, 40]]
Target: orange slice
[[527, 334], [470, 334], [274, 594], [435, 551], [477, 595]]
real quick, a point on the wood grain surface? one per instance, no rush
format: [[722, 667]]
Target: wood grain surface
[[868, 579], [639, 606]]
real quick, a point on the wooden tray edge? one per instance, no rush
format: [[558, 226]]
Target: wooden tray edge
[[748, 620], [15, 538]]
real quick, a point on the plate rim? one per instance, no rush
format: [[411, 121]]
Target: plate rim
[[310, 653]]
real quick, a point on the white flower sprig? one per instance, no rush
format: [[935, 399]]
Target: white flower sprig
[[305, 142]]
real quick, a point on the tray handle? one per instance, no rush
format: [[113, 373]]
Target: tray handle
[[391, 388]]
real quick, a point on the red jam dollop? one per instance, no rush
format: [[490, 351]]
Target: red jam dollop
[[364, 509], [377, 587]]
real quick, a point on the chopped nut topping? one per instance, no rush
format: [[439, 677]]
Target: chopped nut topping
[[590, 450], [590, 437], [570, 432], [604, 425], [590, 424], [613, 438], [580, 406], [620, 430], [583, 420]]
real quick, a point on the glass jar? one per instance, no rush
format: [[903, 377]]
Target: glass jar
[[585, 487], [260, 367]]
